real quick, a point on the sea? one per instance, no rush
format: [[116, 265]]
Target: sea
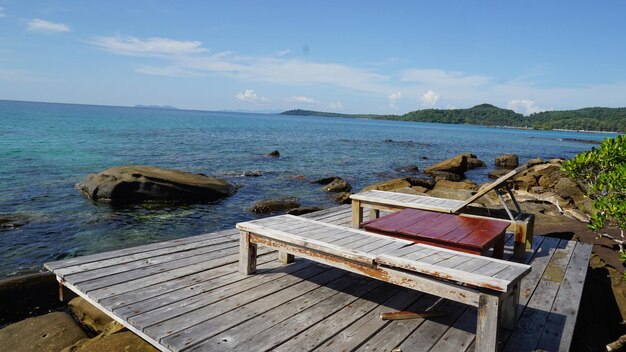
[[47, 148]]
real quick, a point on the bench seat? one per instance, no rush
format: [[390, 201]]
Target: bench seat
[[491, 285]]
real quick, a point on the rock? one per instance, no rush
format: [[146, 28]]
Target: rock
[[136, 183], [547, 174], [267, 206], [458, 194], [428, 182], [533, 162], [338, 185], [457, 185], [344, 198], [577, 214], [28, 295], [509, 161], [303, 210], [89, 316], [273, 154], [46, 333], [568, 189], [326, 180], [121, 341], [456, 165], [495, 174], [13, 221], [252, 173], [423, 158], [409, 169], [556, 161], [473, 162], [415, 190], [389, 185], [449, 176]]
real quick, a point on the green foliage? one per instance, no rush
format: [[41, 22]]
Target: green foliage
[[590, 119], [603, 170]]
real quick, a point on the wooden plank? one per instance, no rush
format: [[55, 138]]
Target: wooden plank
[[535, 315], [559, 330], [460, 334], [334, 311], [231, 234], [393, 333], [131, 284], [190, 329], [184, 313], [361, 330]]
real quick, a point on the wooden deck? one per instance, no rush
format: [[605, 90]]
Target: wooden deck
[[186, 295]]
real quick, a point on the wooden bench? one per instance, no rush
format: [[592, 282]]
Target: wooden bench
[[520, 223], [491, 285], [458, 232]]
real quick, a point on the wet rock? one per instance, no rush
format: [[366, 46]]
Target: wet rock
[[415, 190], [449, 176], [47, 333], [344, 198], [136, 183], [338, 185], [509, 161], [252, 173], [121, 341], [267, 206], [533, 162], [273, 154], [325, 180], [409, 169], [12, 221], [456, 165], [89, 316], [303, 210]]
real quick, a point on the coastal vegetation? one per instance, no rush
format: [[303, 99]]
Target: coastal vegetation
[[588, 119]]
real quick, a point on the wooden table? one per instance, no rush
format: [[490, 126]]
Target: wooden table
[[466, 234]]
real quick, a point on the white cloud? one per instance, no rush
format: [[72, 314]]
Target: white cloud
[[524, 106], [429, 98], [39, 25], [154, 46], [434, 77], [283, 52], [250, 96], [303, 100], [336, 105], [393, 99]]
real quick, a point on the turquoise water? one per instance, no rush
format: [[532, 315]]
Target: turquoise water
[[45, 149]]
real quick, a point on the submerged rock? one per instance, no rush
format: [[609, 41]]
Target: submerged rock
[[273, 154], [338, 185], [136, 183], [267, 206], [409, 169], [303, 210]]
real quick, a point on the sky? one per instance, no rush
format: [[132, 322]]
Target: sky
[[379, 57]]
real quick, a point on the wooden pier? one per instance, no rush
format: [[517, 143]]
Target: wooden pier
[[186, 295]]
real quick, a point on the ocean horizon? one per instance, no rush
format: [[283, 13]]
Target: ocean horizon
[[47, 148]]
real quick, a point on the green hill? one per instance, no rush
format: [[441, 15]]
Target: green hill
[[589, 119]]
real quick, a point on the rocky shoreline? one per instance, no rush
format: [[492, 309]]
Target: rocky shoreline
[[35, 320]]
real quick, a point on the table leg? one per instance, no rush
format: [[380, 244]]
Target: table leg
[[247, 254], [357, 214], [498, 247]]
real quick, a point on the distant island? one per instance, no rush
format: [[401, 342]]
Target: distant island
[[163, 107], [587, 119]]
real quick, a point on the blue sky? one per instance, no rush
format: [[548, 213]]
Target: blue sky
[[342, 56]]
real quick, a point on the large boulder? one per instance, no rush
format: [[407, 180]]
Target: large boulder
[[137, 183], [28, 294], [509, 161], [267, 206], [303, 210], [426, 182], [456, 165], [89, 316], [467, 185], [47, 333], [473, 162], [448, 176]]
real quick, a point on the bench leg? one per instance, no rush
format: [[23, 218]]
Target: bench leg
[[524, 231], [509, 308], [498, 247], [357, 214], [487, 324], [247, 254], [285, 257]]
